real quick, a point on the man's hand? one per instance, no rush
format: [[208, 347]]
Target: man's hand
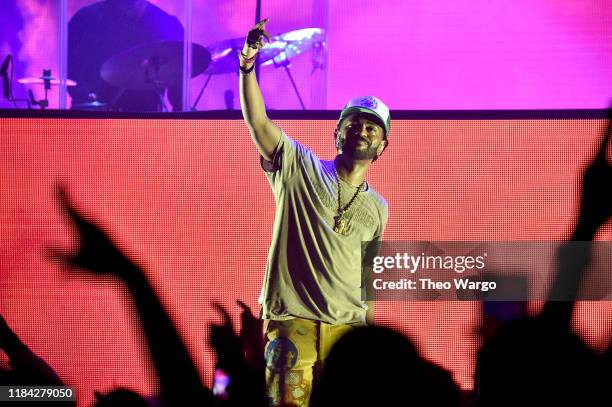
[[596, 203], [255, 39], [96, 252]]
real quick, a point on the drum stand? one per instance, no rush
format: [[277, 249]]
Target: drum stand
[[279, 61], [193, 108], [282, 61]]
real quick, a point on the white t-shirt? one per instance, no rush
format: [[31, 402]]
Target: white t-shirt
[[312, 271]]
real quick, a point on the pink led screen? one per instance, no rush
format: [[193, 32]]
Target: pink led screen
[[187, 199], [420, 54]]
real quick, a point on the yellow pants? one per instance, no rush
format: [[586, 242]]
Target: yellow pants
[[295, 351]]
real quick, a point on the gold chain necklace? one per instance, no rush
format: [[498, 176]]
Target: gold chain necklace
[[340, 224]]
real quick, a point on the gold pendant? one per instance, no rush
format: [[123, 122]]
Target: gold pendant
[[340, 225]]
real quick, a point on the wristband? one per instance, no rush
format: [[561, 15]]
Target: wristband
[[246, 71], [248, 60]]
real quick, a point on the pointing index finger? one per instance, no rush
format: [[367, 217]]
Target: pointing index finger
[[64, 200], [265, 34], [262, 22]]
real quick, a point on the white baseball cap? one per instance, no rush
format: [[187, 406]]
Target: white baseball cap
[[370, 105]]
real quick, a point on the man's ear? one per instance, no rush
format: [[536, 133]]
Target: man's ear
[[381, 148], [337, 140]]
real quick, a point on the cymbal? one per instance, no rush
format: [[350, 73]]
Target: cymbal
[[41, 81], [299, 41], [225, 54], [93, 105], [153, 65], [303, 35]]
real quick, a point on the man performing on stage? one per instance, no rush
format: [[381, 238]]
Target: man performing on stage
[[324, 210]]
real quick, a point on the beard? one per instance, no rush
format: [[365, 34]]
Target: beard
[[357, 148]]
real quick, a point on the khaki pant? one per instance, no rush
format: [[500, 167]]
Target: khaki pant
[[295, 351]]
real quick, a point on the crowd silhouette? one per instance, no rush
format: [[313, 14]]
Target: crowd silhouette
[[527, 361]]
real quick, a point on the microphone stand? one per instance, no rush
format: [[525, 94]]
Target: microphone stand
[[7, 82]]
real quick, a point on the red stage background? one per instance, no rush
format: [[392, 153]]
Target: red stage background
[[188, 199]]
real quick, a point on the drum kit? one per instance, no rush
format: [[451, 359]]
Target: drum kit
[[153, 66]]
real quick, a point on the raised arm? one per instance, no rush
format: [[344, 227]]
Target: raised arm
[[179, 380], [595, 211], [265, 133], [27, 366]]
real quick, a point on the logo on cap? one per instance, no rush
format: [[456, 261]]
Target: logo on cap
[[369, 102]]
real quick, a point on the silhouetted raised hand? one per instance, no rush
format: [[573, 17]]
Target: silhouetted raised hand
[[28, 368], [251, 335], [230, 354], [178, 377], [540, 360], [96, 252], [574, 257], [247, 383], [596, 202], [6, 334]]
